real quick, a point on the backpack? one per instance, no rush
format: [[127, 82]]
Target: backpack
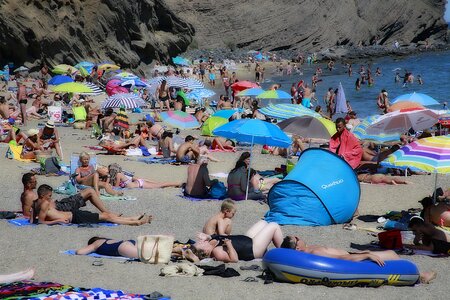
[[218, 190]]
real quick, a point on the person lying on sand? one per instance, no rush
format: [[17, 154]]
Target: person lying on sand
[[220, 223], [437, 214], [294, 242], [66, 204], [118, 179], [428, 237], [48, 213], [19, 276], [381, 179]]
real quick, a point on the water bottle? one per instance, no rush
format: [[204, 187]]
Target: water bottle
[[395, 225]]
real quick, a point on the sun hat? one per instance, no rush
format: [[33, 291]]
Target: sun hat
[[50, 124], [32, 132]]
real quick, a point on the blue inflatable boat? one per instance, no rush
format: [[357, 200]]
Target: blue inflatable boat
[[298, 267]]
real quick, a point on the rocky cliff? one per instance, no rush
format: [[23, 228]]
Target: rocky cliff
[[134, 32], [311, 24], [66, 31]]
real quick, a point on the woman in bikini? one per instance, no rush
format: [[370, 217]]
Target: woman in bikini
[[49, 137], [87, 175], [381, 179], [162, 94], [119, 179]]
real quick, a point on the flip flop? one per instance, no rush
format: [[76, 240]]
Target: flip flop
[[250, 279], [251, 268]]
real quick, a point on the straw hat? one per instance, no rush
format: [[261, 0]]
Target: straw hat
[[50, 124], [32, 132]]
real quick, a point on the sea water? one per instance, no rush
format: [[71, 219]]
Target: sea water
[[434, 68]]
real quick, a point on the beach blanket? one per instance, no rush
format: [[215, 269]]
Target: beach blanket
[[20, 222], [14, 152], [96, 255], [198, 199], [49, 290], [155, 160]]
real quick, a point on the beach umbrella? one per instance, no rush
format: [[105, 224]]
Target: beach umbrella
[[108, 66], [341, 101], [212, 123], [402, 120], [160, 69], [243, 85], [430, 155], [178, 60], [404, 105], [192, 84], [274, 94], [250, 92], [125, 76], [59, 79], [114, 84], [87, 65], [225, 113], [121, 119], [285, 111], [309, 127], [83, 72], [95, 89], [63, 69], [127, 101], [200, 94], [133, 82], [179, 119], [420, 98], [254, 131], [360, 132], [21, 69], [72, 87], [155, 80]]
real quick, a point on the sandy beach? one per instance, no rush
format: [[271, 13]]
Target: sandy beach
[[40, 247]]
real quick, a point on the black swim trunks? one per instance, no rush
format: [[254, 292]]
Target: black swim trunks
[[84, 217], [23, 101], [164, 98], [71, 203], [440, 247]]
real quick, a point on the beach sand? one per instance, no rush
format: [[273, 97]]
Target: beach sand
[[39, 247]]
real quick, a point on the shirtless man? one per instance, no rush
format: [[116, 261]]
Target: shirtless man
[[48, 213], [66, 204], [294, 242], [198, 180], [4, 108], [202, 68], [162, 94], [220, 223], [438, 214], [22, 100], [188, 151]]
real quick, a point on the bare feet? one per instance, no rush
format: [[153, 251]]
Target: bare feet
[[426, 277]]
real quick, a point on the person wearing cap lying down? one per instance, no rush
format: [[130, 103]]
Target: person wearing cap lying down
[[428, 237], [381, 179], [49, 137]]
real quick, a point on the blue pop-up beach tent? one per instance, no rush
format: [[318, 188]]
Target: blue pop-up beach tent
[[321, 190]]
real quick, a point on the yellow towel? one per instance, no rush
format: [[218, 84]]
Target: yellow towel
[[14, 152]]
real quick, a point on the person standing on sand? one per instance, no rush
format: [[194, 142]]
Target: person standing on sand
[[23, 100]]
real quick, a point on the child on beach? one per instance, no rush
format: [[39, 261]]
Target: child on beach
[[220, 223]]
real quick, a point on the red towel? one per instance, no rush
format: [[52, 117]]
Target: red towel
[[347, 146]]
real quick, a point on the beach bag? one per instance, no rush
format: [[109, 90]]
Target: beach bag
[[155, 249], [50, 165], [391, 239], [218, 190]]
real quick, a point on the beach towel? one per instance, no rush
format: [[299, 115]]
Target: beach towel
[[156, 160], [348, 147], [14, 152], [79, 113], [96, 255], [25, 222]]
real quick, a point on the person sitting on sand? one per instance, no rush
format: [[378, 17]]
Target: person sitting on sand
[[32, 145], [437, 214], [381, 179], [220, 223], [294, 242], [198, 181], [76, 201], [166, 145], [188, 151], [220, 143], [346, 145], [49, 137], [49, 214], [87, 175], [118, 179], [432, 238], [11, 133], [232, 248]]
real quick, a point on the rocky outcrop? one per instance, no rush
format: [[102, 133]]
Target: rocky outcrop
[[311, 25], [128, 32]]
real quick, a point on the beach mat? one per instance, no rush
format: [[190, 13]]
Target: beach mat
[[26, 222], [14, 152], [96, 255], [154, 160], [198, 199]]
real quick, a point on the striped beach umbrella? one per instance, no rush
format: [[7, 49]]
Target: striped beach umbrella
[[128, 101], [286, 111], [274, 94], [95, 89], [192, 84], [179, 119], [360, 132]]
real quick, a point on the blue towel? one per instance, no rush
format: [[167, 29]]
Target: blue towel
[[26, 222], [72, 252]]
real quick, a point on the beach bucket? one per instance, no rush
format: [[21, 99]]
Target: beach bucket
[[289, 166], [391, 239]]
